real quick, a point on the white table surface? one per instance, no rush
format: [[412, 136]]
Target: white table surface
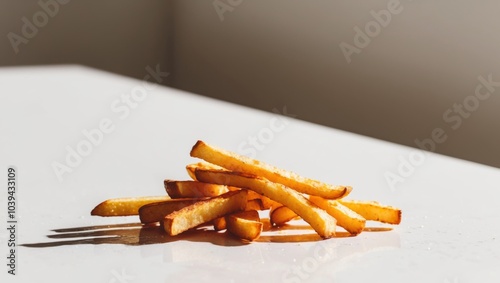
[[451, 215]]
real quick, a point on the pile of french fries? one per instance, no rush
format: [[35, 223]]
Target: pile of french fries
[[228, 191]]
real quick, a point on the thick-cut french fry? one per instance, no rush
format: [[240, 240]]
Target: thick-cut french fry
[[346, 218], [124, 206], [281, 215], [320, 220], [204, 165], [254, 204], [252, 195], [193, 189], [245, 225], [266, 202], [239, 163], [155, 212], [204, 211], [219, 223], [372, 210]]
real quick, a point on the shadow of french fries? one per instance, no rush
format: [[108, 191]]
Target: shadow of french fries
[[138, 234], [97, 227], [133, 234], [308, 236], [377, 229]]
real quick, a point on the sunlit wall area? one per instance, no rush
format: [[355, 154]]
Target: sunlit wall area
[[419, 73]]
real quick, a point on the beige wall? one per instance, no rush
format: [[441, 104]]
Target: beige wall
[[122, 36], [268, 54]]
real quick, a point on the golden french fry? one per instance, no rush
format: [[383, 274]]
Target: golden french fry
[[281, 215], [372, 210], [205, 165], [245, 225], [193, 189], [155, 212], [268, 203], [346, 218], [251, 194], [124, 206], [323, 223], [239, 163], [254, 204], [219, 223], [204, 211]]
